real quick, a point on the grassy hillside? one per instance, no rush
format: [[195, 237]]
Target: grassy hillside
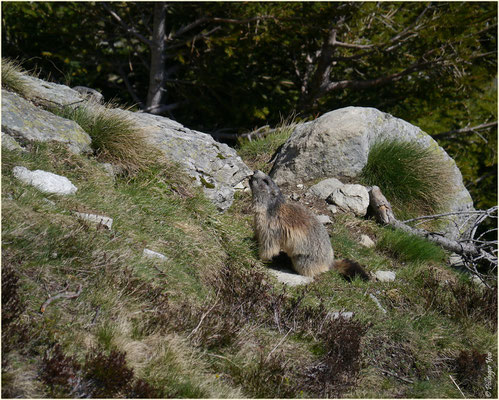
[[210, 320]]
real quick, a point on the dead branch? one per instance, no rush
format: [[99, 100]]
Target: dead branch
[[61, 295], [451, 134], [471, 248]]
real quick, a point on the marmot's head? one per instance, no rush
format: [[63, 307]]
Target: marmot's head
[[264, 189]]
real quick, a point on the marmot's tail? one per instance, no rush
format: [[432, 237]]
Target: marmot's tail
[[349, 269]]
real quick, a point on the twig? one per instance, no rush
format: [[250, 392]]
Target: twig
[[377, 302], [61, 295], [458, 388], [203, 317], [395, 375], [436, 216], [97, 312], [278, 344]]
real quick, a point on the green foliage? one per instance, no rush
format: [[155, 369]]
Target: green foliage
[[409, 248], [115, 136], [12, 77], [415, 180]]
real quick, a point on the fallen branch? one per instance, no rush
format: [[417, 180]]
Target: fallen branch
[[396, 376], [61, 295]]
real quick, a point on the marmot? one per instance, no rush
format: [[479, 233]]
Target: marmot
[[291, 228]]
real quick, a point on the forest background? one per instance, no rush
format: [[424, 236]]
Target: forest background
[[227, 68]]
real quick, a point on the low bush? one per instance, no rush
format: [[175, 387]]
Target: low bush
[[414, 179]]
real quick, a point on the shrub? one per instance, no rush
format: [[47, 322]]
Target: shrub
[[59, 372], [414, 179], [409, 248], [12, 77], [115, 136], [470, 368]]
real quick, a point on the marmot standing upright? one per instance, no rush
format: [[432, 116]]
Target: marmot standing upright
[[291, 228]]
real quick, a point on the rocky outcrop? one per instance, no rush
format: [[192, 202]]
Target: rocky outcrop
[[24, 122], [214, 166], [337, 145]]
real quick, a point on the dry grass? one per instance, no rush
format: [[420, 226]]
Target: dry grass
[[12, 77]]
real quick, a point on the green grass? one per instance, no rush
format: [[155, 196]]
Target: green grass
[[12, 77], [409, 248], [115, 137], [210, 321], [257, 153], [415, 180]]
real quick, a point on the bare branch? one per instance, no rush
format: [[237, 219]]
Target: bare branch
[[127, 28], [464, 130]]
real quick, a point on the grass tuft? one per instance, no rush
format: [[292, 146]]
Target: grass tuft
[[408, 248], [415, 180], [115, 136], [12, 77], [258, 153]]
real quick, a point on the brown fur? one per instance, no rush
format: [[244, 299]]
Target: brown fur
[[291, 228]]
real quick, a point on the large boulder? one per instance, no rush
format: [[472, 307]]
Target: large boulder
[[337, 145], [49, 94], [214, 166], [22, 121]]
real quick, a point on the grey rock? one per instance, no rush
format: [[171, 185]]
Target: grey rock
[[333, 209], [44, 181], [351, 198], [325, 187], [10, 143], [289, 278], [153, 255], [96, 219], [213, 165], [89, 94], [324, 219], [23, 121], [337, 145], [366, 241], [385, 276], [294, 196], [51, 94]]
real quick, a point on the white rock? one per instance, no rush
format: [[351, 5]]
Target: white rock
[[353, 198], [366, 241], [44, 181], [97, 219], [10, 143], [324, 219], [342, 314], [289, 278], [333, 209], [153, 254], [324, 188], [300, 186], [385, 276]]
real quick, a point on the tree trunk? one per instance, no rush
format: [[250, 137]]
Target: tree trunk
[[157, 74]]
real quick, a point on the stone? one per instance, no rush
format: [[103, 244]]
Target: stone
[[384, 276], [290, 278], [214, 166], [333, 209], [97, 219], [51, 94], [89, 94], [300, 186], [44, 181], [337, 145], [324, 219], [325, 187], [340, 314], [351, 198], [153, 255], [10, 143], [294, 196], [366, 241], [22, 121]]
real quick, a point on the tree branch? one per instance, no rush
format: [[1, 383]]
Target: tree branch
[[449, 134], [127, 28]]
